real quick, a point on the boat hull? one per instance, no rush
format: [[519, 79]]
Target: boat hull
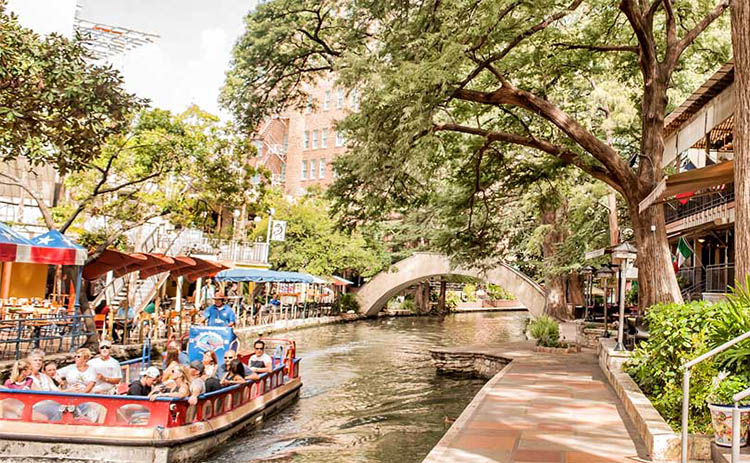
[[113, 445]]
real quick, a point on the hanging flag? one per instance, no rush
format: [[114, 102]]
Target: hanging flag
[[684, 252]]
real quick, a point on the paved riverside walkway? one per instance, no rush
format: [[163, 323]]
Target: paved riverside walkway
[[541, 408]]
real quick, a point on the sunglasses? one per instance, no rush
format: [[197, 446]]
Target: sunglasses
[[77, 356], [104, 347], [228, 358]]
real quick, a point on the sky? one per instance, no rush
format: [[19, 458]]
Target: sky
[[184, 66]]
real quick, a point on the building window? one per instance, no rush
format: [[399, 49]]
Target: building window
[[340, 98], [313, 167], [340, 139], [258, 147], [322, 168], [354, 96], [315, 140], [327, 101], [285, 144], [306, 140], [283, 172], [304, 170], [324, 138], [308, 106]]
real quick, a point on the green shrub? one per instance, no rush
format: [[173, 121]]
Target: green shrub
[[678, 333], [724, 386], [546, 331], [345, 303], [409, 305], [733, 319], [498, 293]]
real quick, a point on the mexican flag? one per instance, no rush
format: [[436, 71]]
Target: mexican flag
[[684, 252]]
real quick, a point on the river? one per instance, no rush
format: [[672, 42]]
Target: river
[[370, 393]]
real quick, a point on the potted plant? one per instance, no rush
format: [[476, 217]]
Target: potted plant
[[719, 400]]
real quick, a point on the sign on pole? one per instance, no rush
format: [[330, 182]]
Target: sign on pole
[[278, 230]]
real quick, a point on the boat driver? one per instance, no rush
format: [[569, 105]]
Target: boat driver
[[219, 315]]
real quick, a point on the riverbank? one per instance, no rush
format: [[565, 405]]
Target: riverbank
[[539, 407]]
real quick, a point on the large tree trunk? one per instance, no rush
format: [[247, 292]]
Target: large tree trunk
[[656, 278], [557, 303], [741, 48]]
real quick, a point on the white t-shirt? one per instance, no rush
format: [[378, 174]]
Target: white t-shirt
[[198, 383], [77, 380], [262, 361], [43, 382], [109, 368]]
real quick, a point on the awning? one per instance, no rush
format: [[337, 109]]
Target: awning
[[319, 281], [688, 182], [263, 276], [13, 246], [111, 259], [203, 268], [57, 249], [341, 281]]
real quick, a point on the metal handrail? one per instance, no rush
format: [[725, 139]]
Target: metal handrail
[[686, 395]]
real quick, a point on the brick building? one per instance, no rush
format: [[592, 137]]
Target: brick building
[[298, 147]]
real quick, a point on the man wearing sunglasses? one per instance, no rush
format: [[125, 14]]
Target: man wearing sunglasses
[[260, 362], [108, 370], [228, 357]]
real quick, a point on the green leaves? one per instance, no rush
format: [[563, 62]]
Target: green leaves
[[56, 107]]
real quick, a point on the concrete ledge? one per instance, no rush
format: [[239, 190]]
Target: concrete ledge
[[662, 443], [558, 350], [477, 364], [289, 325]]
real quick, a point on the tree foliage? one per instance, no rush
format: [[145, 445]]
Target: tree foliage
[[55, 106], [474, 95], [315, 245]]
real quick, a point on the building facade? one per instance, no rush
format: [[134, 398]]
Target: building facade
[[299, 146], [699, 198]]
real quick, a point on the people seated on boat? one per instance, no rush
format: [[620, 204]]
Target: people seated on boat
[[235, 374], [260, 362], [108, 370], [41, 382], [228, 357], [197, 383], [79, 377], [219, 313], [175, 354], [143, 385], [20, 376], [210, 364], [50, 369], [177, 387]]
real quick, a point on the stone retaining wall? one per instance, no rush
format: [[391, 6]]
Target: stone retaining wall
[[663, 444], [468, 363]]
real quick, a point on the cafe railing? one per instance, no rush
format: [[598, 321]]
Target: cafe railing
[[53, 334]]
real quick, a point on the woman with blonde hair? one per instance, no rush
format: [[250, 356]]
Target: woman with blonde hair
[[79, 377], [179, 377], [20, 376]]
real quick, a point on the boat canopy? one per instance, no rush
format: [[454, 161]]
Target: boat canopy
[[263, 276]]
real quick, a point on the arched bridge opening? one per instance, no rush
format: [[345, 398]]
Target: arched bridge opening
[[382, 287]]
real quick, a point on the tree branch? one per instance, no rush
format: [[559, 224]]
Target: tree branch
[[572, 46], [46, 215], [518, 39], [563, 154], [692, 34]]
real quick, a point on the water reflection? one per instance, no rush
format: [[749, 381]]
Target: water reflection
[[370, 393]]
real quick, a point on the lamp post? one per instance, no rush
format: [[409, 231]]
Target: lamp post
[[588, 272], [603, 274]]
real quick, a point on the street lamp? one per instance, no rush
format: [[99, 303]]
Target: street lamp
[[603, 274], [588, 272]]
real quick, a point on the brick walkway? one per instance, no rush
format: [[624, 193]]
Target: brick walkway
[[541, 408]]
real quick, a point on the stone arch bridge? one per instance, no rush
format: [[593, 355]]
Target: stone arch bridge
[[373, 296]]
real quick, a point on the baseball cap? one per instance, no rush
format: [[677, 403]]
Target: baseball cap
[[105, 342], [197, 364], [151, 372]]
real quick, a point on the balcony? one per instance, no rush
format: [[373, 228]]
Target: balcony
[[230, 251], [674, 211]]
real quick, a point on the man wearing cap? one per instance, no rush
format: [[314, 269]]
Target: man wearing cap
[[197, 384], [143, 385], [107, 369], [219, 316]]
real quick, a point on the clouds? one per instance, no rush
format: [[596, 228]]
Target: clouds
[[45, 16]]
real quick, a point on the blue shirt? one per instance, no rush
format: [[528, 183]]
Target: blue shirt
[[219, 316], [121, 313]]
